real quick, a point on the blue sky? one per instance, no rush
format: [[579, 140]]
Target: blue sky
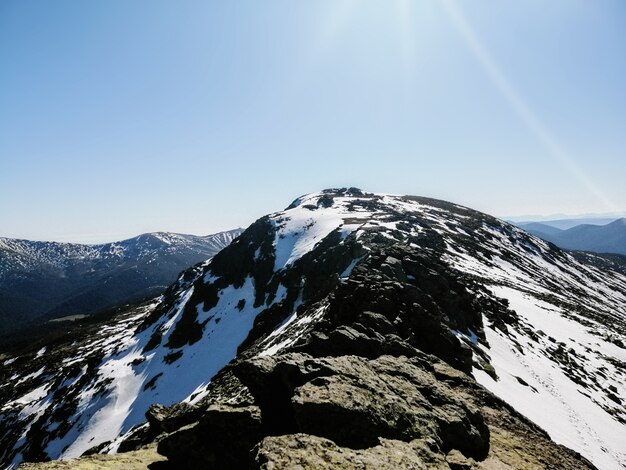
[[118, 117]]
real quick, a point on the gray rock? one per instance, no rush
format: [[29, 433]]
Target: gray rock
[[167, 419], [376, 322], [222, 438], [354, 401], [303, 451], [392, 267], [457, 461]]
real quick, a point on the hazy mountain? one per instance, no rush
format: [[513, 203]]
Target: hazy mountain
[[351, 330], [609, 238], [540, 229], [42, 280], [564, 224]]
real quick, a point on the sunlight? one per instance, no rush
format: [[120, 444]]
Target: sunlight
[[338, 16], [519, 106], [406, 34]]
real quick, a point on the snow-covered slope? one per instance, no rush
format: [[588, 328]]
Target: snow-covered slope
[[540, 329], [562, 360], [30, 255], [46, 279]]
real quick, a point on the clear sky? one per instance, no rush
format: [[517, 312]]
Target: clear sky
[[120, 117]]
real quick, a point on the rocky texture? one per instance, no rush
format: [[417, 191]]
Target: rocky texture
[[605, 261], [350, 412], [135, 460], [222, 438], [311, 452], [417, 303], [354, 402]]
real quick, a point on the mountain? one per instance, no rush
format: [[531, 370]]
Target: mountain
[[44, 280], [540, 230], [350, 330], [564, 224], [609, 238]]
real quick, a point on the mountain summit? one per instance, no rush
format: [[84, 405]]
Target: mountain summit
[[350, 329]]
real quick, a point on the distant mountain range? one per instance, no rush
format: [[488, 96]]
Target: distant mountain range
[[609, 238], [564, 224], [566, 221], [43, 280]]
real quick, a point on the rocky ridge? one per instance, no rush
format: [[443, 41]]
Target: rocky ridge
[[362, 327]]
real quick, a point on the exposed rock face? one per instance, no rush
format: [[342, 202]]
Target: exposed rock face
[[354, 402], [222, 438], [375, 311], [134, 460], [307, 451], [352, 412]]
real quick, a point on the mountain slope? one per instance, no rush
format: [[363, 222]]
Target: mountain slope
[[609, 238], [540, 230], [47, 279], [338, 274]]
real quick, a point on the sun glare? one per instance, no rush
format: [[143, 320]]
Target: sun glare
[[519, 106]]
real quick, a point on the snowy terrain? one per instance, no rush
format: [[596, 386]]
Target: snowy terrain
[[44, 280], [562, 379], [23, 255], [561, 361]]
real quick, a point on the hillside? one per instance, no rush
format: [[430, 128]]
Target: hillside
[[349, 330], [44, 280]]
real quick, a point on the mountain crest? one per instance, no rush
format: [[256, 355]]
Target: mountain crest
[[369, 308], [40, 281]]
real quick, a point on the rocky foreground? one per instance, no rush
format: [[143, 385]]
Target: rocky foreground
[[295, 410], [345, 411]]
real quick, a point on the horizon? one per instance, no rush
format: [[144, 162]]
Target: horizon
[[584, 218], [120, 119]]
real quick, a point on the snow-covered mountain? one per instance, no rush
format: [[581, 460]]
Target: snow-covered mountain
[[440, 304], [48, 279]]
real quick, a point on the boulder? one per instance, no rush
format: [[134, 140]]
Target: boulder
[[169, 418], [304, 451], [355, 401], [223, 438]]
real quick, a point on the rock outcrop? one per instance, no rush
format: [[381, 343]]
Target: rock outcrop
[[298, 411]]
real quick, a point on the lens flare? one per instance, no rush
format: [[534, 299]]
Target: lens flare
[[519, 106]]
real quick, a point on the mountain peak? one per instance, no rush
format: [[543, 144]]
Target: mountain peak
[[344, 286], [325, 194]]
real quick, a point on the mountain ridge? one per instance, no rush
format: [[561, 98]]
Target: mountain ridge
[[432, 288], [608, 238], [49, 279]]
